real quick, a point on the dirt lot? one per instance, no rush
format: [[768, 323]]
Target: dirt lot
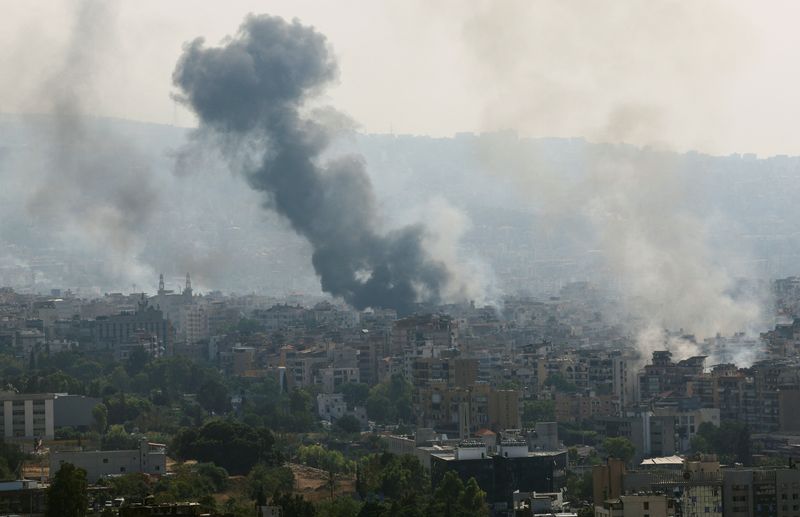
[[314, 484]]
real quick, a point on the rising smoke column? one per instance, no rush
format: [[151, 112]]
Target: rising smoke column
[[251, 95], [76, 185]]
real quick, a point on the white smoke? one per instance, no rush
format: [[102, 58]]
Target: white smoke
[[472, 278], [600, 71]]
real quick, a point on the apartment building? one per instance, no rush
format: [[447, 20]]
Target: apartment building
[[27, 416]]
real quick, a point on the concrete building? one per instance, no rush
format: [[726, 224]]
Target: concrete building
[[243, 359], [512, 468], [452, 371], [27, 416], [193, 323], [758, 493], [789, 410], [607, 481], [504, 409], [22, 497], [544, 437], [464, 410], [150, 458], [440, 331], [109, 332], [332, 377], [371, 346], [586, 405], [74, 411], [331, 407], [664, 375], [696, 489], [637, 505], [687, 422]]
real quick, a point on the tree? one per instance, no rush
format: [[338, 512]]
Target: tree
[[730, 441], [11, 458], [264, 480], [100, 418], [137, 361], [120, 379], [390, 401], [214, 397], [339, 507], [216, 476], [124, 408], [233, 445], [118, 439], [301, 408], [560, 383], [6, 474], [68, 493], [452, 498], [538, 411], [294, 505], [318, 457], [372, 509], [572, 453], [355, 393], [579, 487], [402, 479], [130, 486], [619, 447], [348, 424], [191, 482], [473, 500], [577, 433]]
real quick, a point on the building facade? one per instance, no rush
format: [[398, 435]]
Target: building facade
[[27, 416], [149, 458]]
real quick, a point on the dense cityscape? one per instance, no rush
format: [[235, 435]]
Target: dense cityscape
[[224, 402]]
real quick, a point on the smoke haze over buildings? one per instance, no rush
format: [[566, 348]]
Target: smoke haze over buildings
[[612, 79], [674, 231], [84, 186], [251, 95]]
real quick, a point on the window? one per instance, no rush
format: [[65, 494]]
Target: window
[[105, 460], [646, 505], [122, 469]]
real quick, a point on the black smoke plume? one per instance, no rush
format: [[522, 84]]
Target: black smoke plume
[[251, 95]]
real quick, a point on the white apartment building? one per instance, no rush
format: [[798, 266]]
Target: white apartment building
[[27, 416]]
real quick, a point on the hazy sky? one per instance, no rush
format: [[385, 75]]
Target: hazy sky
[[716, 76]]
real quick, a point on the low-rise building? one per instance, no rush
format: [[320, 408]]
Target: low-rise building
[[26, 416], [332, 406], [638, 505], [74, 411], [512, 468], [23, 496], [149, 458]]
